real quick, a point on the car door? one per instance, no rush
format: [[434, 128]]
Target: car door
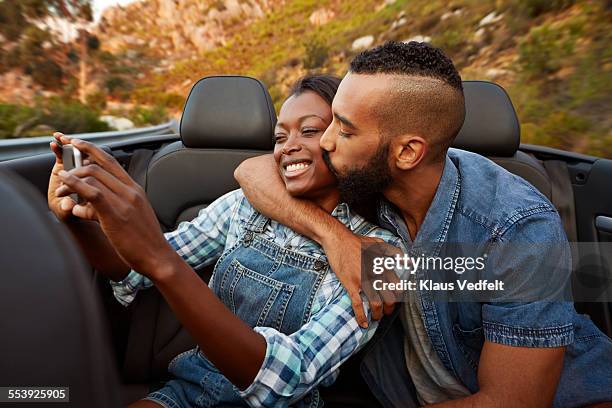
[[589, 180]]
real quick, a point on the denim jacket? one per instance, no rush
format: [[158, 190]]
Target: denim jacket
[[479, 202]]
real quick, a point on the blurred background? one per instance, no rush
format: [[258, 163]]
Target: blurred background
[[94, 65]]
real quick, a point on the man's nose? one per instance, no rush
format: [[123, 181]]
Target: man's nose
[[328, 141]]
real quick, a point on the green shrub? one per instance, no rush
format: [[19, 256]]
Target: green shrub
[[149, 96], [268, 77], [219, 5], [46, 73], [560, 129], [71, 87], [72, 55], [534, 8], [316, 52], [427, 23], [116, 85], [544, 49], [11, 58], [11, 116], [70, 116], [143, 116], [12, 20], [277, 96], [31, 44], [107, 59], [568, 127], [93, 42], [96, 100], [57, 113], [3, 67], [449, 41]]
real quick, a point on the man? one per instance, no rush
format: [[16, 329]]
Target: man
[[396, 113]]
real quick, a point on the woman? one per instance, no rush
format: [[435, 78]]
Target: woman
[[275, 280]]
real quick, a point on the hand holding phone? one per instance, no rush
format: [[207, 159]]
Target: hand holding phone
[[72, 158]]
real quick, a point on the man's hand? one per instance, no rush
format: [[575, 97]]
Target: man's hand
[[344, 252], [122, 209]]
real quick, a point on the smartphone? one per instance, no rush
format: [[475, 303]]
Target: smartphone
[[72, 158]]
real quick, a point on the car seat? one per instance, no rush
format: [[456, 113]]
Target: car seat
[[491, 128], [226, 120], [53, 330]]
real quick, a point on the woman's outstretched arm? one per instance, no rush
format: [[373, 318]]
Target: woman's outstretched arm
[[130, 224], [84, 228]]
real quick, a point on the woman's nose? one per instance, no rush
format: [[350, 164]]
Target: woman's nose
[[292, 145]]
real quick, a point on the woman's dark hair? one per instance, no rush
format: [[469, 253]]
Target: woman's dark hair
[[323, 85]]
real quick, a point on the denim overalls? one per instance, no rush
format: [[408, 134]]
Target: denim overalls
[[265, 285]]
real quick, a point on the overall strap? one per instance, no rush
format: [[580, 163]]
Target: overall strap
[[257, 222]]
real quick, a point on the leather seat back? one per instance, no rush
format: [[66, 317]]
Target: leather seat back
[[53, 332], [491, 128], [226, 120]]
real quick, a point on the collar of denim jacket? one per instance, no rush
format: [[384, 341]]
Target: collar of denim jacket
[[437, 221]]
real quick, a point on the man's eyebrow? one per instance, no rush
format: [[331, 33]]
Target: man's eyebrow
[[345, 121]]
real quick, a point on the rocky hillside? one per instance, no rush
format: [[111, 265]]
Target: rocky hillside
[[553, 56], [177, 28]]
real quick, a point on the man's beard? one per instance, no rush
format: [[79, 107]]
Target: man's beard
[[360, 184]]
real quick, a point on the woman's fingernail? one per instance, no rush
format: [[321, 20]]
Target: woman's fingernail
[[62, 173]]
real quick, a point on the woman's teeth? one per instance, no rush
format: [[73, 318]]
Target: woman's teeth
[[297, 166]]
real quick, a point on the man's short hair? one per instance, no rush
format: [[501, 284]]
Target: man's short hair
[[427, 96]]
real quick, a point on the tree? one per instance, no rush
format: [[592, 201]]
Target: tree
[[79, 13]]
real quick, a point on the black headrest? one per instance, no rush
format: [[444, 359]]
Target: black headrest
[[491, 127], [46, 295], [228, 112]]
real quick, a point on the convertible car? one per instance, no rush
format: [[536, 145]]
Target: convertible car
[[59, 321]]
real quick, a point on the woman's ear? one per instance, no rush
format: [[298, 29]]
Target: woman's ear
[[408, 151]]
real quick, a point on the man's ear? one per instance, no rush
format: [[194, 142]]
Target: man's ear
[[408, 151]]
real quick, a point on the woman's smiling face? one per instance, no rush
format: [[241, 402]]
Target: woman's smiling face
[[301, 122]]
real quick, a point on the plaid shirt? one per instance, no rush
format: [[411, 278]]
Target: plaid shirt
[[294, 364]]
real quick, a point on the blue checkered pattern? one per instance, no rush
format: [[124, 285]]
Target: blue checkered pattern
[[296, 363]]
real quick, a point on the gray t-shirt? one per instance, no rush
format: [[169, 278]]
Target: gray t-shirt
[[433, 382]]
